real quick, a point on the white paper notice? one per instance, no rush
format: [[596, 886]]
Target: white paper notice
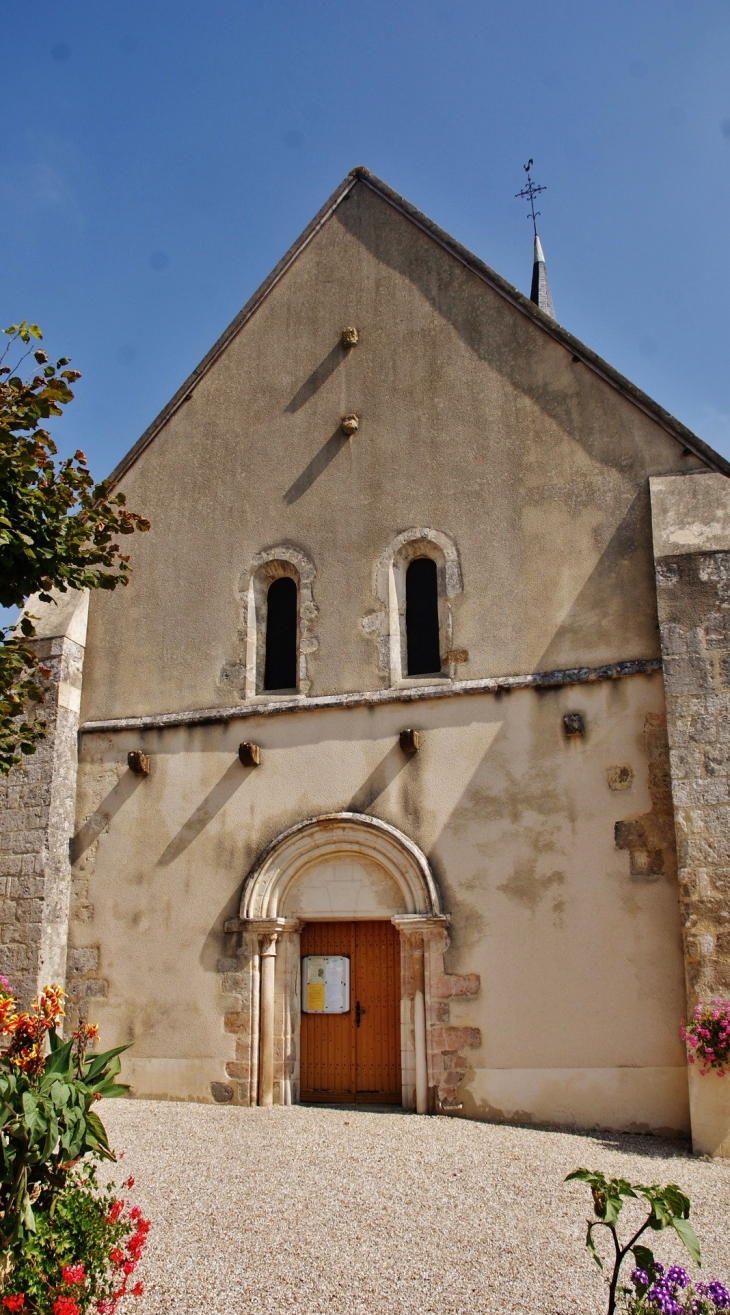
[[325, 984]]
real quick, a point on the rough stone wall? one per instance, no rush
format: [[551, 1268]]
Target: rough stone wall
[[649, 838], [447, 1046], [37, 802], [693, 592]]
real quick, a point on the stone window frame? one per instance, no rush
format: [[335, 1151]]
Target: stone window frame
[[389, 587], [269, 565]]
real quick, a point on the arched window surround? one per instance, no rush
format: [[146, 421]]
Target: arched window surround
[[267, 566], [389, 586]]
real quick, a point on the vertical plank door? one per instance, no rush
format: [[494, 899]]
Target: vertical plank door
[[355, 1056], [377, 990], [328, 1067]]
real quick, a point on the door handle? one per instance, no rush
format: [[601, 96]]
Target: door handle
[[359, 1011]]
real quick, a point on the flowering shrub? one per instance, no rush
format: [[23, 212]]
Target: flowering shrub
[[67, 1245], [46, 1121], [83, 1254], [671, 1292], [707, 1036], [668, 1208]]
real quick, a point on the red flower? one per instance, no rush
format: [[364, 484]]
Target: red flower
[[138, 1289], [17, 1301], [129, 1182], [136, 1213], [65, 1306], [130, 1266], [73, 1274], [115, 1211], [116, 1255]]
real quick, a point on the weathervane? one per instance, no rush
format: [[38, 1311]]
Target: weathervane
[[530, 192]]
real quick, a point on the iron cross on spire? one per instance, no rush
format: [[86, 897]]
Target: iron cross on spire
[[530, 192]]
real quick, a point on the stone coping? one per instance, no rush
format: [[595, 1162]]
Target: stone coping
[[267, 707]]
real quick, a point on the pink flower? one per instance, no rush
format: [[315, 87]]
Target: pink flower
[[73, 1274]]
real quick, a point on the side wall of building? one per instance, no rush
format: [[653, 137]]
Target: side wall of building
[[37, 810], [692, 549]]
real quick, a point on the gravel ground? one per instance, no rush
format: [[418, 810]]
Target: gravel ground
[[332, 1210]]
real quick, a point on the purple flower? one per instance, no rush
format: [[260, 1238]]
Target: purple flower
[[639, 1278], [719, 1294], [678, 1276]]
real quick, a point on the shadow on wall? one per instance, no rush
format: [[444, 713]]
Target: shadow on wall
[[624, 569], [216, 799], [318, 377], [99, 821], [378, 781], [320, 461]]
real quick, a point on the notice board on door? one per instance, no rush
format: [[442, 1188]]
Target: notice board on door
[[326, 984]]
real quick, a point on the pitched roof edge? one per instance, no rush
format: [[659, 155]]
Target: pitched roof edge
[[611, 376], [594, 362], [184, 391]]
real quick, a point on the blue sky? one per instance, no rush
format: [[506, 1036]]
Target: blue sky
[[159, 158]]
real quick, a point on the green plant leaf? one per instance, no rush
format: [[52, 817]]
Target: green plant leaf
[[99, 1062], [592, 1246], [684, 1229], [643, 1257], [59, 1060]]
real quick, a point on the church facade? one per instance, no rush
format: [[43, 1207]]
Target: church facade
[[402, 768]]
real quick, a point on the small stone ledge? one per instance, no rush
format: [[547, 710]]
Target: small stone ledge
[[447, 689]]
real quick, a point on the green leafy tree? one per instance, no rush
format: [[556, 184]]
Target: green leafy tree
[[58, 528], [668, 1208]]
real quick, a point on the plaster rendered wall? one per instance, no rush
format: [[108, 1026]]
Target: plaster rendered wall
[[473, 422], [541, 864]]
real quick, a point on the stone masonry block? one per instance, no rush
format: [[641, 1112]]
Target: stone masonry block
[[457, 1037], [83, 960], [688, 674], [716, 760], [713, 791], [717, 630], [687, 762], [241, 1072], [673, 639], [235, 1022]]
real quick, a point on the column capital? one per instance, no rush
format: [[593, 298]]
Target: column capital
[[263, 926], [413, 922]]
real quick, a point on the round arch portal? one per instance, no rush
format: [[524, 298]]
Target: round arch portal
[[339, 865], [339, 837]]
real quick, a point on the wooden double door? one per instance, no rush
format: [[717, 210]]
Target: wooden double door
[[355, 1056]]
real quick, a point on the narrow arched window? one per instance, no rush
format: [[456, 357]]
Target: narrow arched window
[[422, 618], [280, 670]]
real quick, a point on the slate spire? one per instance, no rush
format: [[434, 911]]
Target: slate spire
[[540, 290]]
